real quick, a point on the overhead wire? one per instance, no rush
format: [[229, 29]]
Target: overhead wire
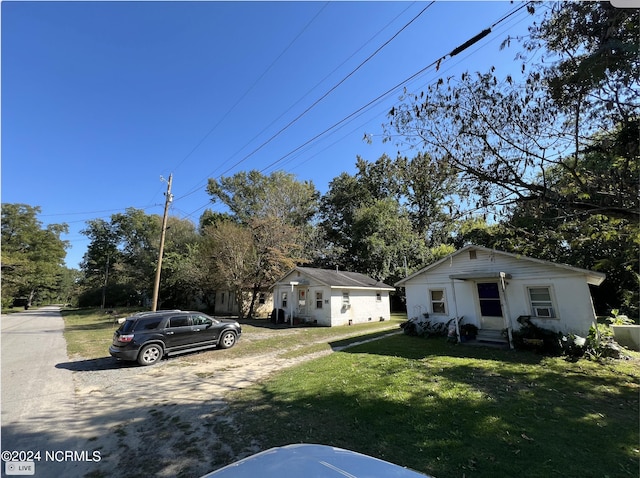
[[242, 97], [467, 44], [328, 92], [322, 97], [435, 63], [257, 135]]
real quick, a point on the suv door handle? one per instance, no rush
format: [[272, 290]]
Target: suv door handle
[[170, 333]]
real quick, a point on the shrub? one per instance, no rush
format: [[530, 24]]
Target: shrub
[[537, 339], [423, 327]]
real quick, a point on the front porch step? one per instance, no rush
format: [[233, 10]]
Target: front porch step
[[488, 338], [492, 336]]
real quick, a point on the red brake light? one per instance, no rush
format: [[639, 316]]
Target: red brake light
[[125, 338]]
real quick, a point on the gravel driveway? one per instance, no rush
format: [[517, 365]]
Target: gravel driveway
[[163, 420]]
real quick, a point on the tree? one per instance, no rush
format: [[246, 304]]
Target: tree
[[102, 256], [182, 280], [251, 195], [390, 211], [385, 240], [230, 251], [32, 256], [277, 211], [597, 51], [431, 190], [506, 137], [122, 257]]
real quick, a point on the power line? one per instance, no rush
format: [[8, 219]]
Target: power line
[[462, 47], [244, 95], [435, 63], [317, 101]]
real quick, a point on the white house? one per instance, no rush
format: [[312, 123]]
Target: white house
[[331, 297], [491, 289]]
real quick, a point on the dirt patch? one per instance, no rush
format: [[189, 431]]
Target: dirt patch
[[168, 419]]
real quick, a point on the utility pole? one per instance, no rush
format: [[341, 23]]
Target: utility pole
[[156, 286]]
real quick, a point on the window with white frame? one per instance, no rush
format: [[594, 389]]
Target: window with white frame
[[541, 302], [437, 301], [318, 300], [345, 298], [378, 297], [283, 300]]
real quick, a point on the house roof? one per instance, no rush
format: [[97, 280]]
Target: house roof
[[340, 279], [594, 278]]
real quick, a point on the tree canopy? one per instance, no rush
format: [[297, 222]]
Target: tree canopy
[[507, 137], [32, 255]]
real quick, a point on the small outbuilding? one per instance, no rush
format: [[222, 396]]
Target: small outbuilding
[[491, 289], [331, 297]]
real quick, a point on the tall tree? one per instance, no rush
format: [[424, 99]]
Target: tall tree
[[123, 255], [233, 261], [385, 241], [250, 195], [506, 137], [399, 204], [277, 210], [32, 255]]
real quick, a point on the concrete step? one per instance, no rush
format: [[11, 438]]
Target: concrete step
[[490, 335]]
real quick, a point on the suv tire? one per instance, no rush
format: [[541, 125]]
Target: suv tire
[[150, 354], [227, 340]]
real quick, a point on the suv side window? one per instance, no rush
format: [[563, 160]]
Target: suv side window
[[198, 319], [149, 324], [178, 321]]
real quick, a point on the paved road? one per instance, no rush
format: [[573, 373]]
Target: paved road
[[38, 409]]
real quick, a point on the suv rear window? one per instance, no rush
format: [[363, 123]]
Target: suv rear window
[[127, 326]]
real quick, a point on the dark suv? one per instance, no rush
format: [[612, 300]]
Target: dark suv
[[149, 336]]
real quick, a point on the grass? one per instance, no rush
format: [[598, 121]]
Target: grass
[[453, 411], [89, 333], [442, 409]]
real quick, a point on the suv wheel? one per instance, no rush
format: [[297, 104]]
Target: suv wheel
[[227, 340], [150, 354]]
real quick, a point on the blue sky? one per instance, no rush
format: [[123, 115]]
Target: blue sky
[[101, 99]]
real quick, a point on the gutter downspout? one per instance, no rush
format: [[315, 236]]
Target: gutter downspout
[[455, 306], [509, 324]]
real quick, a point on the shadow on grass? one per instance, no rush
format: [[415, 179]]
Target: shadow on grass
[[410, 347], [452, 411], [268, 324], [92, 326]]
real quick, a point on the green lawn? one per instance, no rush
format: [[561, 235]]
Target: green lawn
[[89, 332], [443, 409], [453, 411]]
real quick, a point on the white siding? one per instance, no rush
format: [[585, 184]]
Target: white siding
[[570, 292], [363, 306]]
